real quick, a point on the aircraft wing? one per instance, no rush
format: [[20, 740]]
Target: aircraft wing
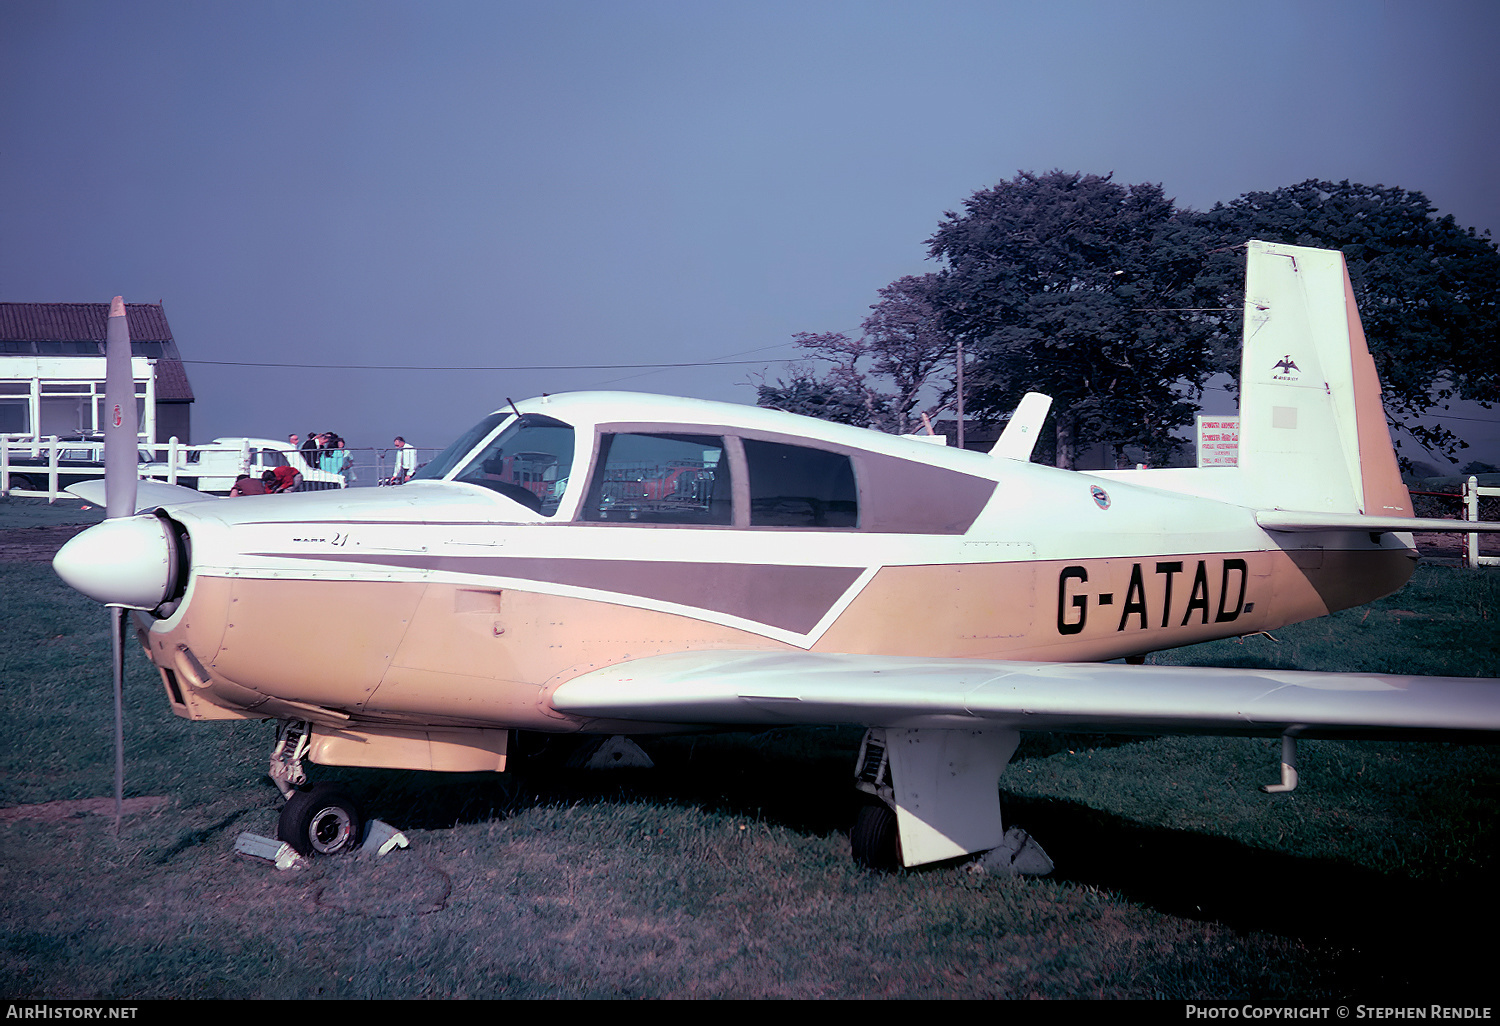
[[149, 494], [761, 688]]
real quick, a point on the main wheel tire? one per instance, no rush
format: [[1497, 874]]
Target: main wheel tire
[[874, 840], [321, 821], [22, 483]]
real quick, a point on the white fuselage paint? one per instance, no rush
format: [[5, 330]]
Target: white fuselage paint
[[1055, 565]]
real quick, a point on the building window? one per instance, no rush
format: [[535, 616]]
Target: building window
[[48, 348], [15, 416]]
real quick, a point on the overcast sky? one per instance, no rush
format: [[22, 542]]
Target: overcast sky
[[576, 184]]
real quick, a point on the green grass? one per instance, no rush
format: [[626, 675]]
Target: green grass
[[17, 511], [725, 871]]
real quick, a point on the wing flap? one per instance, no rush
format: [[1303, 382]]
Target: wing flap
[[761, 688]]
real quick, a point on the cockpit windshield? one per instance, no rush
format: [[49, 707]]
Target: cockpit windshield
[[529, 462], [437, 468]]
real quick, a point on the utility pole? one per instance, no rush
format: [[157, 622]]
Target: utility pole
[[959, 387]]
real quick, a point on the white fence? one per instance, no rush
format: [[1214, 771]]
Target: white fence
[[1472, 493], [45, 467], [27, 463]]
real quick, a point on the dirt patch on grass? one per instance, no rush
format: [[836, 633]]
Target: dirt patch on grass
[[35, 544], [59, 812], [1452, 546]]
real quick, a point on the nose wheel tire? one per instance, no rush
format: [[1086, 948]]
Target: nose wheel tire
[[321, 821]]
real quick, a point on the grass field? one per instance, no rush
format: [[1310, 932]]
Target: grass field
[[724, 872]]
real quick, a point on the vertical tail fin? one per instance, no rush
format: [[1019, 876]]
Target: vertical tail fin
[[1313, 435]]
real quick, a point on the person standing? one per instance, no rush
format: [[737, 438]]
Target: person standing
[[333, 457], [406, 462]]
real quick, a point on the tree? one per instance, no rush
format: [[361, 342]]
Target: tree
[[906, 339], [1086, 290], [1428, 291], [878, 379], [812, 396]]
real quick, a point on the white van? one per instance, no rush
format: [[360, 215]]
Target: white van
[[214, 467]]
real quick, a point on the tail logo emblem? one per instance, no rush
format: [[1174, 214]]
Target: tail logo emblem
[[119, 419], [1286, 365]]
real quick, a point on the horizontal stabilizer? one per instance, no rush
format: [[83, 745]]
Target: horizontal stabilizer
[[1280, 520]]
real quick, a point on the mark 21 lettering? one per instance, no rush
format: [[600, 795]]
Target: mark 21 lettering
[[1073, 598]]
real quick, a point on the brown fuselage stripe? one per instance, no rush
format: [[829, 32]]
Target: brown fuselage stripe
[[793, 598]]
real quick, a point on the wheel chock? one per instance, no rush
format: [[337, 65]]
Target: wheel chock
[[279, 852], [1018, 855], [381, 838]]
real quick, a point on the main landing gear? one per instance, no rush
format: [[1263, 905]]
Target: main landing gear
[[874, 840], [316, 820], [931, 795]]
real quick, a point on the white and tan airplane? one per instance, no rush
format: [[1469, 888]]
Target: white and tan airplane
[[616, 563]]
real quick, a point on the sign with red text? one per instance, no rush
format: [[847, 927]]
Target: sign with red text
[[1218, 440]]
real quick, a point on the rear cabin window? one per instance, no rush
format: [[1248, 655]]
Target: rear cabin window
[[794, 486], [660, 479]]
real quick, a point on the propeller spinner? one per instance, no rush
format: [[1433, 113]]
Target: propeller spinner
[[128, 562]]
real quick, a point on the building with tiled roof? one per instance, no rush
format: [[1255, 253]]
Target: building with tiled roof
[[52, 371]]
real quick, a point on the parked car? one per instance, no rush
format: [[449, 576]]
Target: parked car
[[79, 458], [215, 467]]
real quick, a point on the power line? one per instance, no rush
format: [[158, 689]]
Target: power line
[[537, 367]]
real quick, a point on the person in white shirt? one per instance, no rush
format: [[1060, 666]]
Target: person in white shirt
[[406, 461]]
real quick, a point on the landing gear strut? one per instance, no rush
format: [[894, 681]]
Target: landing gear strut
[[874, 840], [933, 794], [292, 743]]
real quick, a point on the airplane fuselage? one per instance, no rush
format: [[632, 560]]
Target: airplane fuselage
[[450, 605], [622, 563]]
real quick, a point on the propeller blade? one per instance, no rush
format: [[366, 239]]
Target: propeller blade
[[117, 628], [121, 433], [121, 457]]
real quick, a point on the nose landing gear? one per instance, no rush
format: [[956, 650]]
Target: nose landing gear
[[317, 820]]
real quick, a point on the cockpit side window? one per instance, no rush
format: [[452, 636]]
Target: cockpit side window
[[660, 479], [795, 486], [530, 462]]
